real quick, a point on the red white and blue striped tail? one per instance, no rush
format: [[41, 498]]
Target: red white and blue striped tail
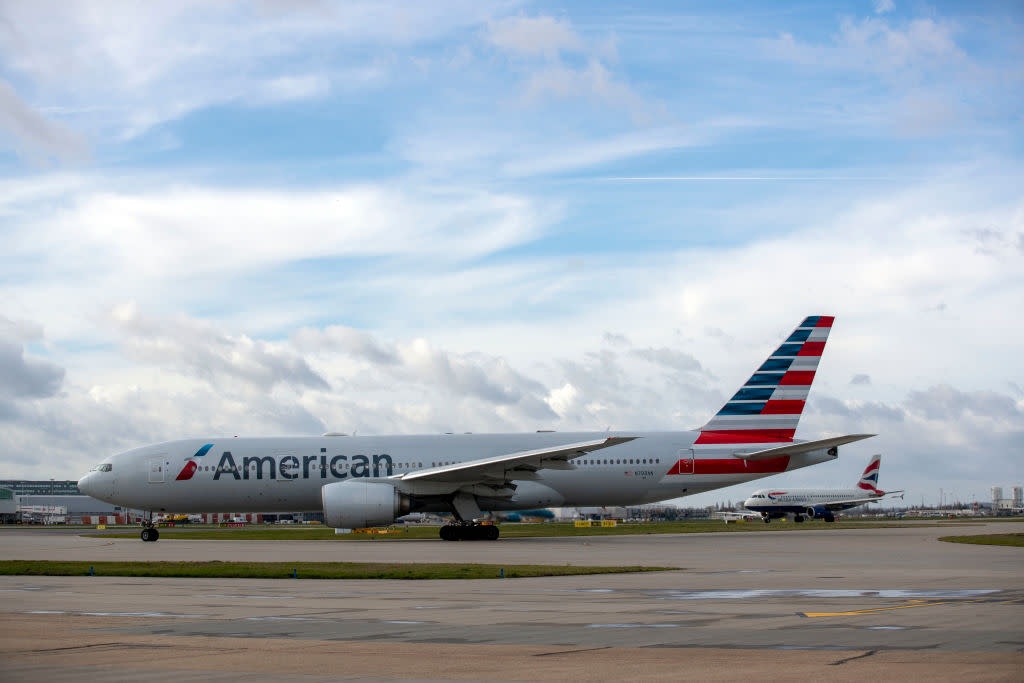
[[767, 408], [869, 480]]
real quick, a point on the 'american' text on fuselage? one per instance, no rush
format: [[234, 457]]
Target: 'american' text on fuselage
[[310, 466]]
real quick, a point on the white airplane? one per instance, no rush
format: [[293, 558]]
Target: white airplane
[[820, 503], [372, 480]]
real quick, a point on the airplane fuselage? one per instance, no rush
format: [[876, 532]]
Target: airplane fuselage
[[288, 473]]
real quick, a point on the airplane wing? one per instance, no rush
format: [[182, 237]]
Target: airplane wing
[[844, 504], [803, 447], [521, 465]]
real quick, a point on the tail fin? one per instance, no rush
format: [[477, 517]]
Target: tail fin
[[767, 408], [869, 480]]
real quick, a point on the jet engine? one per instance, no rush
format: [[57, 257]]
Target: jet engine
[[356, 505], [820, 512]]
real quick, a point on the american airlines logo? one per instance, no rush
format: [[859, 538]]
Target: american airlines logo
[[191, 466], [292, 466], [306, 467]]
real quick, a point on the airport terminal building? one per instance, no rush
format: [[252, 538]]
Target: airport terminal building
[[50, 501]]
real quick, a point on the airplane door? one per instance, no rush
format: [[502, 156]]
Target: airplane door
[[156, 470], [686, 458]]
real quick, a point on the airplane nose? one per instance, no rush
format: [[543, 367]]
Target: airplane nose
[[86, 484]]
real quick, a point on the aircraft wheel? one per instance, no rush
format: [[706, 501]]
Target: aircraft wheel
[[830, 519], [149, 535], [767, 520], [449, 533], [492, 533], [798, 519]]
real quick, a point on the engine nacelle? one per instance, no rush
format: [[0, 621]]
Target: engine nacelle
[[818, 511], [356, 505]]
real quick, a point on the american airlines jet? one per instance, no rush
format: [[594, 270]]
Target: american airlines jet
[[371, 480], [820, 503]]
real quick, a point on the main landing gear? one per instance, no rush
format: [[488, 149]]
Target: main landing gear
[[149, 532], [465, 528], [469, 531], [798, 518]]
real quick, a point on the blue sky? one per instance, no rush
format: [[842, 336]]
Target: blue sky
[[272, 217]]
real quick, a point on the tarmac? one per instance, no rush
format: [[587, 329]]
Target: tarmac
[[827, 602]]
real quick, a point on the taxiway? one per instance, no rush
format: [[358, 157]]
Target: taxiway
[[842, 603]]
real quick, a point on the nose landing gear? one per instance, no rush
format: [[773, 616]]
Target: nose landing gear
[[149, 532]]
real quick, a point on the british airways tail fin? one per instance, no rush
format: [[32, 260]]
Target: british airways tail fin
[[767, 408], [869, 480]]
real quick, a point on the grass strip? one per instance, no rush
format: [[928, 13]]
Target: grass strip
[[546, 530], [303, 570], [1016, 540]]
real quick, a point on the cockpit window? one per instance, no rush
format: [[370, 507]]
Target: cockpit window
[[105, 467]]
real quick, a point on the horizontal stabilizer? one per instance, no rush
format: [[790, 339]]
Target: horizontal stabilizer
[[803, 447]]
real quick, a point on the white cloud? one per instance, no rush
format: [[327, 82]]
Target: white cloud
[[285, 88], [35, 136], [542, 43], [567, 155], [541, 35], [594, 81], [198, 349], [919, 47], [24, 377], [883, 6], [170, 245], [150, 63]]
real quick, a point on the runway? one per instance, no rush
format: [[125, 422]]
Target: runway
[[829, 602]]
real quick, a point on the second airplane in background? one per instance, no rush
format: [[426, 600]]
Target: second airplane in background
[[820, 503]]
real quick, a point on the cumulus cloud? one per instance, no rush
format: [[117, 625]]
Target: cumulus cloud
[[24, 377], [199, 349], [669, 358], [346, 340], [948, 404], [542, 45], [541, 35], [615, 339], [875, 44]]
